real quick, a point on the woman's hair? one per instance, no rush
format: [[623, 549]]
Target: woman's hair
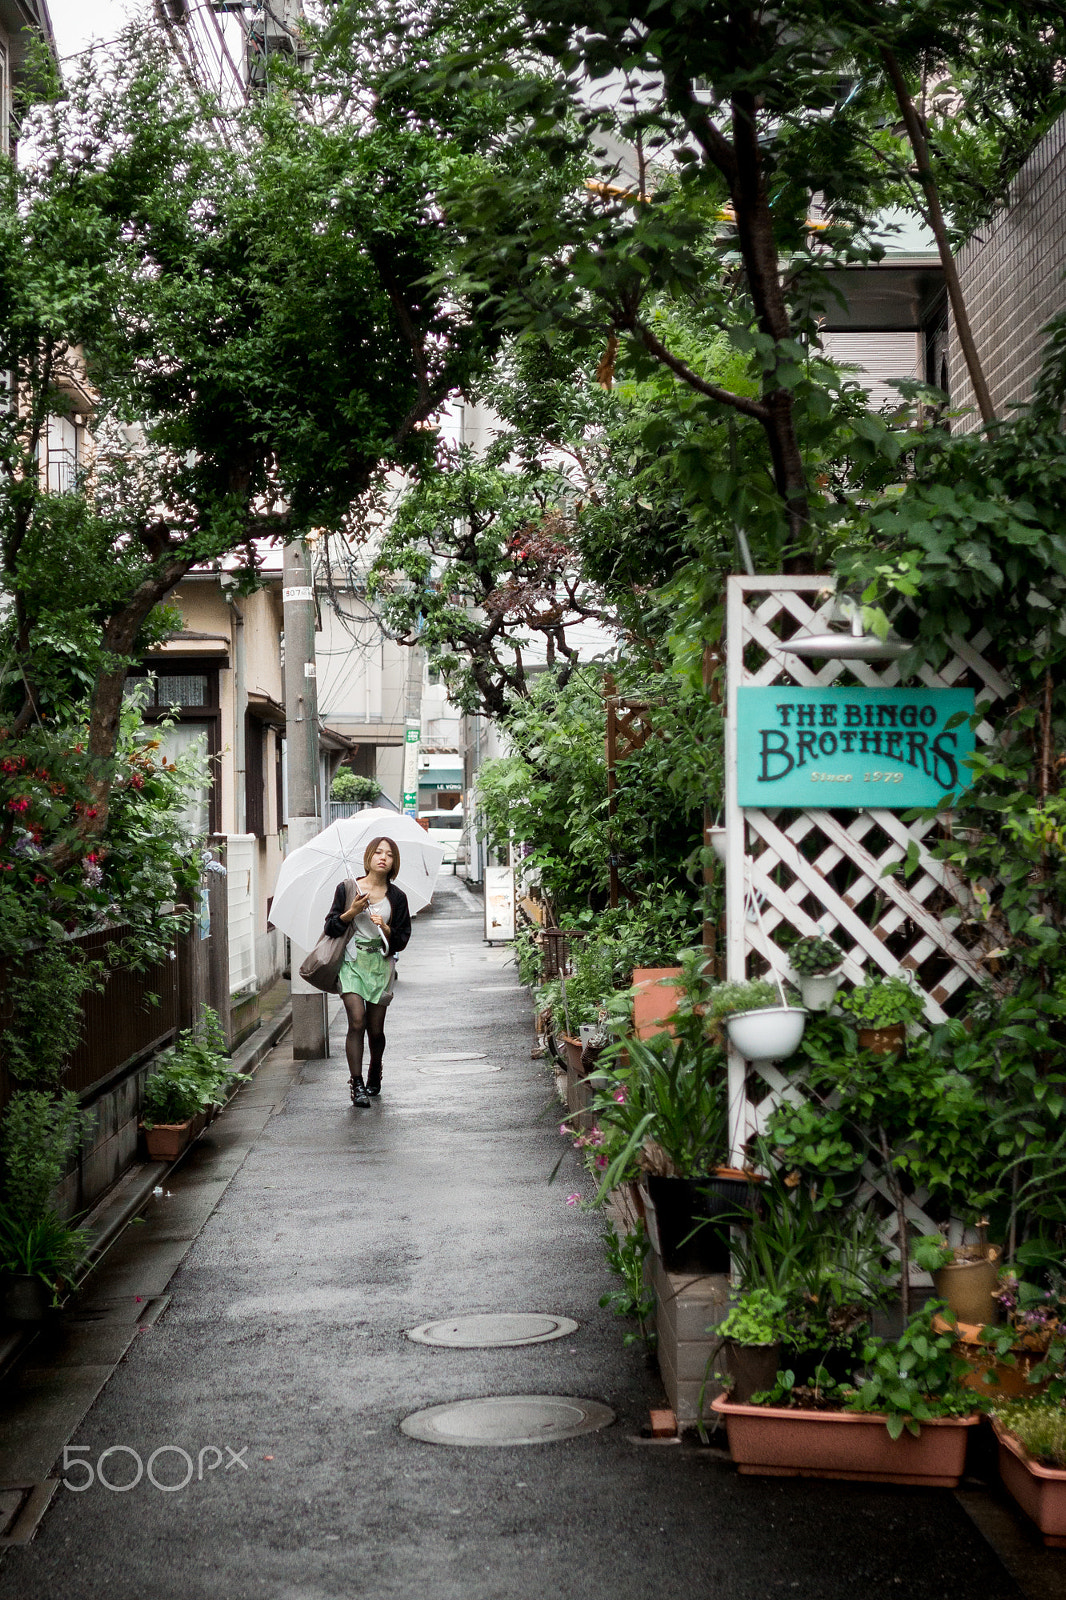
[[369, 856]]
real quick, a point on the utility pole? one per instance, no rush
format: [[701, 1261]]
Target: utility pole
[[310, 1026]]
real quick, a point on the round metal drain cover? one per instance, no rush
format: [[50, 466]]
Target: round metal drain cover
[[457, 1055], [457, 1069], [508, 1420], [491, 1330]]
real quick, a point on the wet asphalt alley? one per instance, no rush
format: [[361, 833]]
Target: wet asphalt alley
[[282, 1346]]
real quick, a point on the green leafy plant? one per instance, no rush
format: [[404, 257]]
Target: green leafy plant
[[914, 1378], [726, 999], [190, 1076], [625, 1256], [883, 1003], [931, 1252], [353, 786], [757, 1317], [813, 956], [38, 1134], [672, 1092], [1038, 1422], [42, 1247]]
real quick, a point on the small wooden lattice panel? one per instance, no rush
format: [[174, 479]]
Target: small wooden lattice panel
[[814, 871]]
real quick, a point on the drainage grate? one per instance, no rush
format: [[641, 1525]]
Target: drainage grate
[[490, 1330], [508, 1420]]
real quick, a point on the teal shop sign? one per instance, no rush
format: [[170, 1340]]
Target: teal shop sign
[[853, 748]]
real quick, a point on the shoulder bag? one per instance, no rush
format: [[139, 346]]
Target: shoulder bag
[[321, 968]]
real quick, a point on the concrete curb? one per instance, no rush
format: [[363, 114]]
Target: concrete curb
[[127, 1199]]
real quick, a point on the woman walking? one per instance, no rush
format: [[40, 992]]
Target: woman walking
[[382, 929]]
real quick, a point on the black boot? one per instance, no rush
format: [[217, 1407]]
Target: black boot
[[359, 1095], [373, 1081]]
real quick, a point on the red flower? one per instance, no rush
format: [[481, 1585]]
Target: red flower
[[18, 805], [39, 877]]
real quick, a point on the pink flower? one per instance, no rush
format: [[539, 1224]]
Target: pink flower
[[621, 1094], [601, 1162], [573, 1199], [564, 1128]]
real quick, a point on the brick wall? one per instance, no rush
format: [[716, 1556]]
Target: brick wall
[[1012, 277]]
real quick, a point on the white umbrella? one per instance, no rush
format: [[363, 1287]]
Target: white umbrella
[[310, 875]]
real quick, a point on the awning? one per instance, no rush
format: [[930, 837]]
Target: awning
[[440, 778]]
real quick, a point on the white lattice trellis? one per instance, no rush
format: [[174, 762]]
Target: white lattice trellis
[[823, 871]]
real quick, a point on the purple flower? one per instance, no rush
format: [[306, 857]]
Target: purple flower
[[573, 1199]]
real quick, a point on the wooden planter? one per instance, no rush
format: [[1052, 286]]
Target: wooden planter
[[768, 1441], [1040, 1491], [167, 1140]]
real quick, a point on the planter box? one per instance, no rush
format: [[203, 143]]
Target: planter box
[[990, 1377], [571, 1053], [167, 1140], [774, 1442], [1040, 1491]]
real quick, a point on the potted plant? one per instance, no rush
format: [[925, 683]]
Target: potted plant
[[189, 1083], [963, 1275], [749, 1345], [759, 1021], [904, 1420], [670, 1102], [816, 962], [1031, 1435], [882, 1008], [38, 1256]]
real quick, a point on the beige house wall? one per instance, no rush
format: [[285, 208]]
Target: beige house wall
[[363, 687], [210, 630], [1012, 277]]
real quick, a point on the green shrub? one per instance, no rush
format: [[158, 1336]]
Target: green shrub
[[351, 786], [43, 1247], [1039, 1425], [37, 1136]]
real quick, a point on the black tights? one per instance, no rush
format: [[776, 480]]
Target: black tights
[[369, 1019]]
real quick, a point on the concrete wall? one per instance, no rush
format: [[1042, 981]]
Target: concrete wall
[[1012, 277]]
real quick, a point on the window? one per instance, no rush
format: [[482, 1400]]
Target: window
[[189, 695]]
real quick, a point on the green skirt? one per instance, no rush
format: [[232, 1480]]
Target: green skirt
[[366, 971]]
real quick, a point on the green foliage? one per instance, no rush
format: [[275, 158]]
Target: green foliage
[[815, 956], [625, 1255], [1039, 1424], [727, 999], [38, 1134], [43, 1246], [671, 1092], [755, 1317], [883, 1003], [191, 1076], [914, 1378], [552, 796], [348, 785], [45, 993], [931, 1252]]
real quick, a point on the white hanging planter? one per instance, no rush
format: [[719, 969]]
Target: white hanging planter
[[819, 988], [716, 838], [769, 1034]]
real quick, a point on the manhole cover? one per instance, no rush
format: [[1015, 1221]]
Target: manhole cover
[[491, 1329], [456, 1055], [496, 988], [508, 1420], [457, 1069]]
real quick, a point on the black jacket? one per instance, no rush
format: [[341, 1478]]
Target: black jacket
[[398, 930]]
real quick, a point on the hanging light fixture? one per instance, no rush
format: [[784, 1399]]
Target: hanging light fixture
[[853, 646]]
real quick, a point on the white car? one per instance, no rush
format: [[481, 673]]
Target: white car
[[447, 828]]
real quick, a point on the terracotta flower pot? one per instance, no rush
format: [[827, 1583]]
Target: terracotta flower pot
[[572, 1052], [774, 1442], [167, 1140], [883, 1041], [992, 1378], [1040, 1491]]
